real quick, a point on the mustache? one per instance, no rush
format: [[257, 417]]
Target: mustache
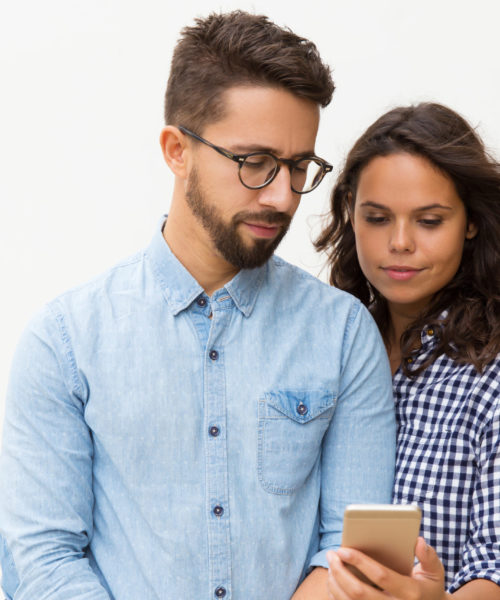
[[269, 217]]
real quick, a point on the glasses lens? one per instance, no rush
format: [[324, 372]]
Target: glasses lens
[[306, 175], [257, 170]]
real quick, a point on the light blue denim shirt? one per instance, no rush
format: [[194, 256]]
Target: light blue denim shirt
[[152, 452]]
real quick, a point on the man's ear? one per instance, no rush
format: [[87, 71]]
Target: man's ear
[[471, 230], [175, 150]]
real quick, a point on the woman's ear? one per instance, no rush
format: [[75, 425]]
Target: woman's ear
[[175, 150], [471, 230]]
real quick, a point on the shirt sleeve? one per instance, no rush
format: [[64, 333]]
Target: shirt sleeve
[[481, 556], [46, 469], [358, 453]]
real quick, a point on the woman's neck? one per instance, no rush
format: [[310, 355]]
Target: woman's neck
[[399, 322]]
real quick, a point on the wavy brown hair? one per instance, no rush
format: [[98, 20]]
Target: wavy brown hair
[[470, 331], [224, 50]]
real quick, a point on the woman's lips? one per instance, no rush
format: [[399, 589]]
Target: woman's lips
[[402, 273], [263, 231]]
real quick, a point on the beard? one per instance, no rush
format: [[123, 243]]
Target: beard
[[225, 236]]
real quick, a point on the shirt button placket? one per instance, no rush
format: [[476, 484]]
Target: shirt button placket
[[217, 503]]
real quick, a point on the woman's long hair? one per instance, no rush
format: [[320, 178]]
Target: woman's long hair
[[470, 331]]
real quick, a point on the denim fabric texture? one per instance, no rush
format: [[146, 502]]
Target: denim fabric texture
[[10, 582], [161, 444]]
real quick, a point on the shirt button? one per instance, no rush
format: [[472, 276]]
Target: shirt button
[[214, 355], [220, 592], [302, 409], [409, 361], [430, 332], [214, 431], [201, 302], [218, 511]]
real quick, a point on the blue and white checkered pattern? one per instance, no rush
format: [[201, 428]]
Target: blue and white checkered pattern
[[448, 461]]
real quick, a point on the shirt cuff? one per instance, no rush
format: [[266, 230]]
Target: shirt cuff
[[462, 578], [319, 559]]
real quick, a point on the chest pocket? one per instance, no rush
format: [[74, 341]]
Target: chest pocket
[[291, 426]]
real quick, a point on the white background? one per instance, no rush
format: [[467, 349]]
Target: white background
[[82, 182]]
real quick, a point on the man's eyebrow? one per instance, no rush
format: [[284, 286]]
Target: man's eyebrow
[[372, 204], [248, 148]]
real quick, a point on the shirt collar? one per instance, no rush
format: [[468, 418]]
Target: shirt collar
[[429, 335], [180, 288]]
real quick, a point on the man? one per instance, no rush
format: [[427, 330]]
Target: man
[[191, 424]]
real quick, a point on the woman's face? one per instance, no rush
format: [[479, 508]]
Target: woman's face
[[410, 226]]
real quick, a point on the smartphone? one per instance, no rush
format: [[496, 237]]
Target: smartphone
[[385, 532]]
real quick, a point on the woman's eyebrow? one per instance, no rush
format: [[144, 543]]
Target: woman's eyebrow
[[372, 204], [431, 206]]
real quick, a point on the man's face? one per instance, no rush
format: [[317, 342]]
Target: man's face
[[226, 236], [245, 226]]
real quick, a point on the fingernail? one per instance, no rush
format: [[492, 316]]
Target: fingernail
[[343, 553]]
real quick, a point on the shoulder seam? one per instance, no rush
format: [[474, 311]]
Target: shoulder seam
[[69, 354]]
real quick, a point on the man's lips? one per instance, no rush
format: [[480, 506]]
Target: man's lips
[[401, 272], [263, 230]]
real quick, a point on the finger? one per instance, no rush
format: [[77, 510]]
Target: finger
[[397, 585], [335, 590], [429, 567], [332, 588], [346, 585]]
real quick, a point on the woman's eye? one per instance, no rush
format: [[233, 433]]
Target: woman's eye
[[430, 222], [375, 219]]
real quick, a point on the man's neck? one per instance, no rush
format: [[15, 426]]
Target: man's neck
[[193, 248]]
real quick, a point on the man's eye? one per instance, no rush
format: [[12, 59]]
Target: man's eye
[[258, 162]]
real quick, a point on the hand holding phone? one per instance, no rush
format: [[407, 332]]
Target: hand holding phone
[[385, 532]]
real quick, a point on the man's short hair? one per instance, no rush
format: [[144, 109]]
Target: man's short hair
[[237, 48]]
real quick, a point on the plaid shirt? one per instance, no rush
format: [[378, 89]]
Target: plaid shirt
[[448, 461]]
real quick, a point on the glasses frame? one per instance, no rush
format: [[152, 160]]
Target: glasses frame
[[240, 159]]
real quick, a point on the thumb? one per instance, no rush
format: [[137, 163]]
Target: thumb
[[430, 566]]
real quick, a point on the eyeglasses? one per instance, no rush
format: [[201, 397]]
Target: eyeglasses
[[258, 169]]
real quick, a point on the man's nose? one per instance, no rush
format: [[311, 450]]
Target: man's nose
[[278, 194]]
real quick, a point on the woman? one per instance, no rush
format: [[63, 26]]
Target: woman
[[414, 233]]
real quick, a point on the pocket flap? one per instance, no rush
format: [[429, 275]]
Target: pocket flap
[[299, 405]]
